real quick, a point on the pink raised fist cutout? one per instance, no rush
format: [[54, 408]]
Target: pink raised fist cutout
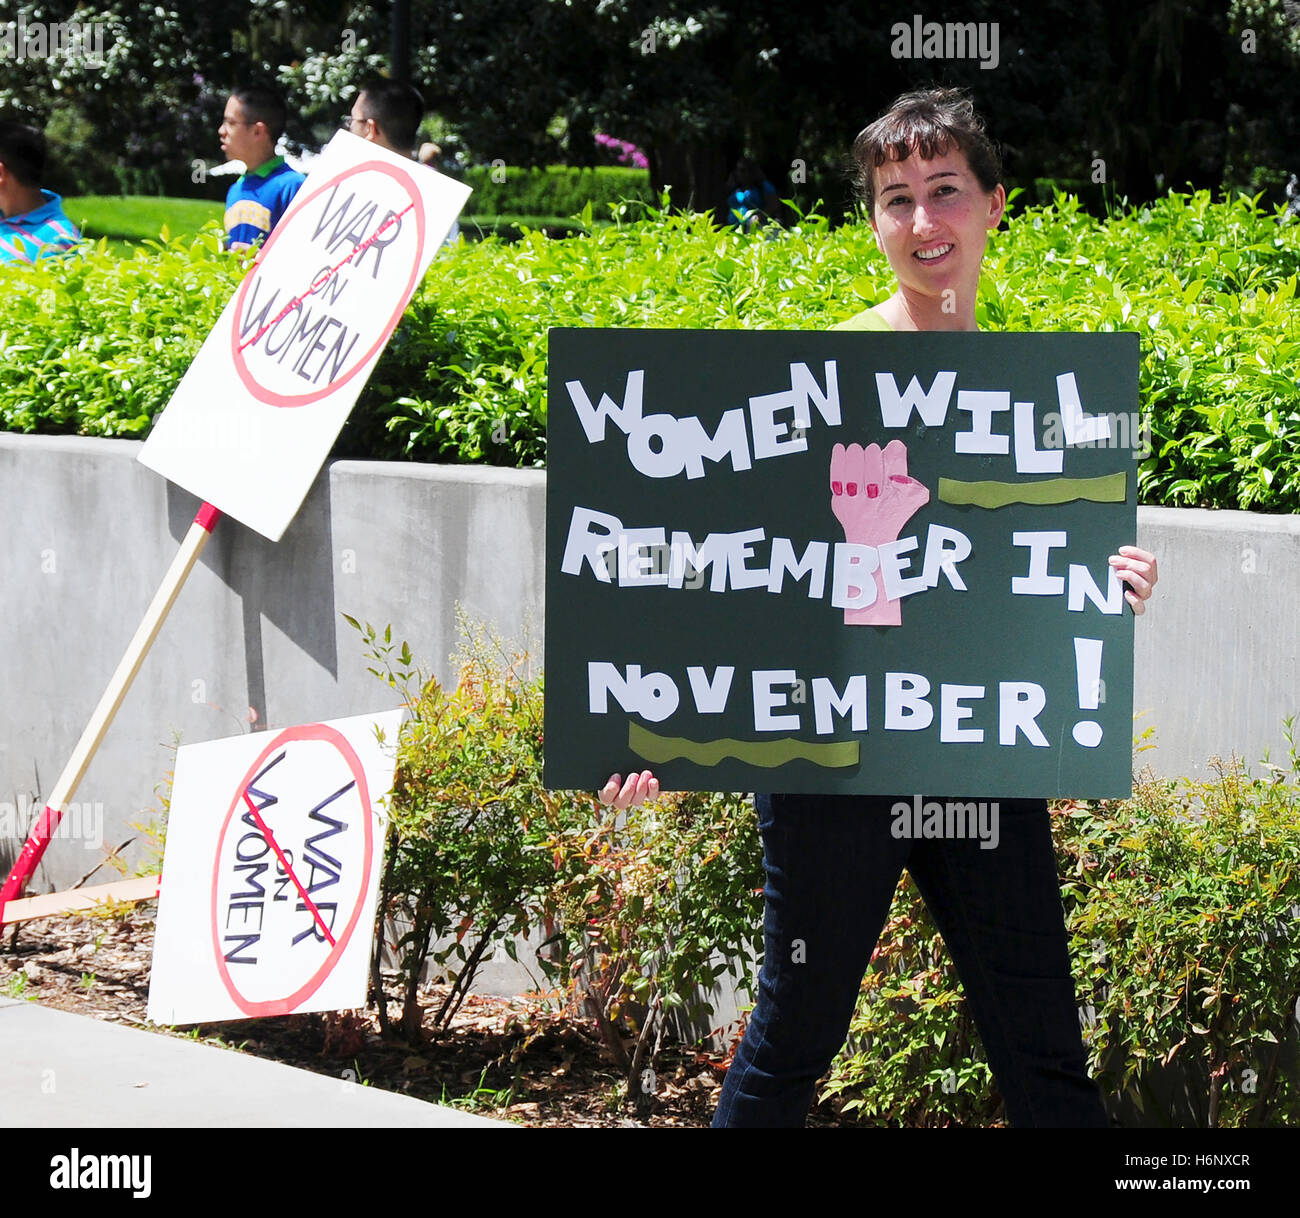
[[873, 497]]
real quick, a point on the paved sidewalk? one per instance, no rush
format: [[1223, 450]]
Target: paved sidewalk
[[58, 1069]]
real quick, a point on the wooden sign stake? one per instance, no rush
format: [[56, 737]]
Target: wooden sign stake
[[139, 888], [48, 821]]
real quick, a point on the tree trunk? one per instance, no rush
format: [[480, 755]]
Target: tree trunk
[[696, 175]]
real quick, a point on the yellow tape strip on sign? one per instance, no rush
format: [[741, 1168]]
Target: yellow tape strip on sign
[[767, 753], [1108, 488]]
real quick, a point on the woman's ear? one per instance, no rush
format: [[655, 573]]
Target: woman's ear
[[997, 206]]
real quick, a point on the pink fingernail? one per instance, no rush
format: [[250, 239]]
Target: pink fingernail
[[837, 488], [873, 491], [853, 488]]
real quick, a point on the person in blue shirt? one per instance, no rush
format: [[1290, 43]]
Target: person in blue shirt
[[253, 121], [34, 223], [751, 198]]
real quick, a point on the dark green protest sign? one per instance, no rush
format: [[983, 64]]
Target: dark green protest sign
[[841, 562]]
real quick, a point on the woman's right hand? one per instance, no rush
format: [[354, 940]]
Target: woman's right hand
[[636, 790]]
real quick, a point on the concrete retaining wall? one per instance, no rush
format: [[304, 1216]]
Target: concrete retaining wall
[[88, 533]]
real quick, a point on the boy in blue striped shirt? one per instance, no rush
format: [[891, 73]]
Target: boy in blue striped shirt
[[255, 203]]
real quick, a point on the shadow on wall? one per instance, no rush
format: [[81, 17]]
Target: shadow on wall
[[290, 582]]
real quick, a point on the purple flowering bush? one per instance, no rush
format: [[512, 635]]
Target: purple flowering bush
[[621, 152]]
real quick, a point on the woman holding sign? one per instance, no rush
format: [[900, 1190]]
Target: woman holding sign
[[929, 176]]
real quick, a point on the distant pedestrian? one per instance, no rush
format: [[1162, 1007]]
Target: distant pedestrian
[[751, 198], [388, 113], [34, 223], [253, 121]]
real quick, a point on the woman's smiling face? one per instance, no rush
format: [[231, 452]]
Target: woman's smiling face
[[932, 219]]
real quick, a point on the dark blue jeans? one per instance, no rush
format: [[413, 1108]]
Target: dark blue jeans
[[832, 867]]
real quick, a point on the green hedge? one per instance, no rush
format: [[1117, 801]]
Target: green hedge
[[557, 190], [96, 345], [511, 227]]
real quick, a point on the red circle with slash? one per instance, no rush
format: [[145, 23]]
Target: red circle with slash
[[285, 1006], [251, 383]]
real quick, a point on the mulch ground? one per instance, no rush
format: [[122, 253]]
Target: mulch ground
[[522, 1059]]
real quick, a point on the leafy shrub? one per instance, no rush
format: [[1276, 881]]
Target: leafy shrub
[[1091, 195], [510, 227], [1184, 906], [650, 905], [1211, 289], [96, 346], [654, 906], [556, 190], [1183, 909], [468, 819]]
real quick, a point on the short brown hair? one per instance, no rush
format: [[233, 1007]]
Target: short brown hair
[[931, 122]]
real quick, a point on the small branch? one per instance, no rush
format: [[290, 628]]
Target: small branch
[[460, 988], [653, 1023], [112, 854], [608, 1033], [412, 1018], [377, 994], [1216, 1086]]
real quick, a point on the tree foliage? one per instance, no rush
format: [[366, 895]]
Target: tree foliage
[[143, 117], [1152, 96]]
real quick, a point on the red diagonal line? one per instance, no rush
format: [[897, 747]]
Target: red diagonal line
[[302, 892], [334, 270]]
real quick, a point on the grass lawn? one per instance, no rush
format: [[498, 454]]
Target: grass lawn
[[127, 219]]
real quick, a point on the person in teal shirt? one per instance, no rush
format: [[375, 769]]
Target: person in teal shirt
[[254, 119], [751, 198], [34, 223]]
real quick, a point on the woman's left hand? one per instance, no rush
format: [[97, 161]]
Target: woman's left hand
[[1137, 568]]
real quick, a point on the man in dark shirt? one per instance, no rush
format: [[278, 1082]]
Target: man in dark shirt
[[388, 113]]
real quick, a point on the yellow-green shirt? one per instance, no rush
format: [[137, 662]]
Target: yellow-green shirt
[[868, 319]]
